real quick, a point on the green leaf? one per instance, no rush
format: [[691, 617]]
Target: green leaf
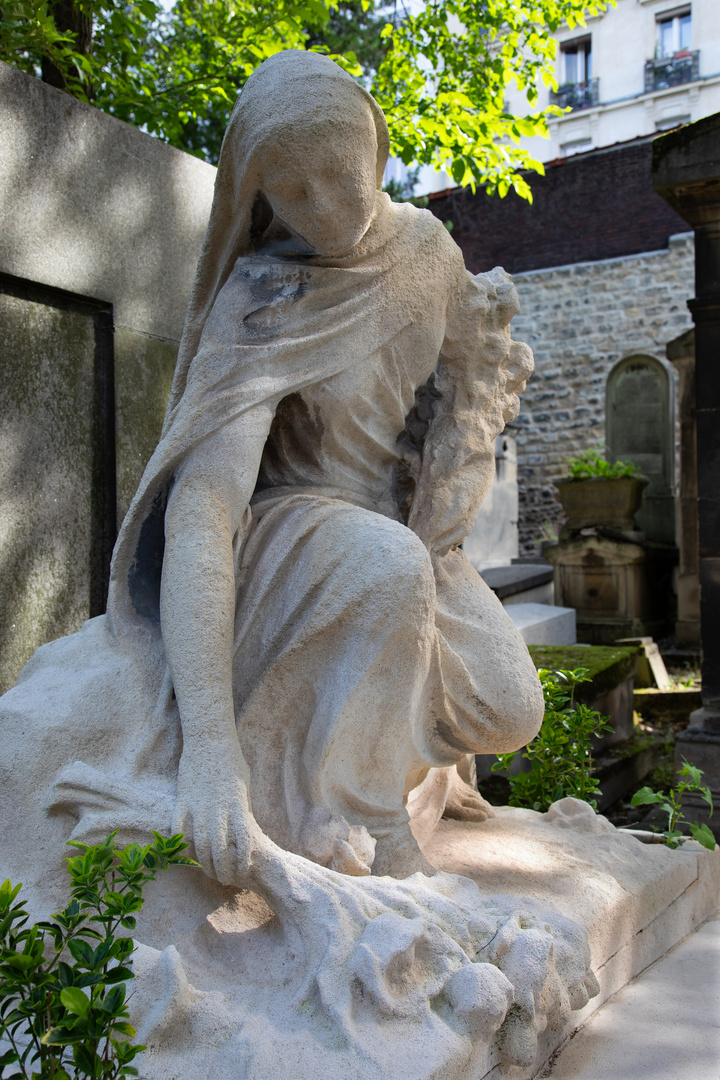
[[691, 771], [114, 998], [75, 1001], [124, 1028], [86, 1060], [118, 974], [62, 1036], [703, 835], [646, 796], [21, 962], [82, 952]]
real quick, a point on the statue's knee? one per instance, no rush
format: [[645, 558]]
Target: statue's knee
[[399, 563], [515, 720]]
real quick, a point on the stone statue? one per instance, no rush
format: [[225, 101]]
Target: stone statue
[[297, 654]]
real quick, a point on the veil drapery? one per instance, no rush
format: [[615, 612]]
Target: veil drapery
[[289, 88]]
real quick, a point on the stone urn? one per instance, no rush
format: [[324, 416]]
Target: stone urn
[[600, 500]]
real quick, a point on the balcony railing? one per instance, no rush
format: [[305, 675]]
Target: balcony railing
[[674, 70], [577, 95]]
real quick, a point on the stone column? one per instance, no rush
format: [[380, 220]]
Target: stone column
[[686, 172], [681, 353]]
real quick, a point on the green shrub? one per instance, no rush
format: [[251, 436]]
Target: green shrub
[[593, 462], [560, 755], [63, 982]]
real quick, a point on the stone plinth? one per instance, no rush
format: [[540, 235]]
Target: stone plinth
[[544, 624], [223, 990], [619, 588], [635, 900], [521, 583]]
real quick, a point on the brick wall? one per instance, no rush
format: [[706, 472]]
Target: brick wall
[[580, 320], [590, 206]]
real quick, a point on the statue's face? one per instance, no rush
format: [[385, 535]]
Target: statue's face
[[323, 185]]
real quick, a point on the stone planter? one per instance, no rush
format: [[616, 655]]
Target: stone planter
[[600, 501]]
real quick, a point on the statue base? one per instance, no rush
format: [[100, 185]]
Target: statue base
[[219, 1000]]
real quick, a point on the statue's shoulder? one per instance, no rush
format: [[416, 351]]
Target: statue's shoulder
[[423, 230]]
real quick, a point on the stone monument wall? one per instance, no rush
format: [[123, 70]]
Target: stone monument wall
[[100, 231], [580, 320], [603, 268]]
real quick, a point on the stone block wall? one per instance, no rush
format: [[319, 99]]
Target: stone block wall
[[603, 268], [100, 231], [580, 320]]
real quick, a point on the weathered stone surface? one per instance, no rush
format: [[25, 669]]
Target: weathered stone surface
[[94, 208], [46, 476], [544, 624], [295, 646], [493, 539], [607, 666], [660, 1027], [143, 375], [521, 583], [640, 427], [618, 588], [297, 656]]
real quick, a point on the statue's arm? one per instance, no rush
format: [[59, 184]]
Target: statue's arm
[[479, 375], [206, 508]]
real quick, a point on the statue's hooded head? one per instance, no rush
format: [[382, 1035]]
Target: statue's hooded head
[[314, 143], [306, 146]]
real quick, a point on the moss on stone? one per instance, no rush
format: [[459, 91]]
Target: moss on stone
[[608, 665]]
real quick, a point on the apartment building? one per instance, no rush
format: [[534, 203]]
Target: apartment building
[[642, 67]]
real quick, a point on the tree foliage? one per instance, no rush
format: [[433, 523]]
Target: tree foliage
[[441, 75], [445, 77]]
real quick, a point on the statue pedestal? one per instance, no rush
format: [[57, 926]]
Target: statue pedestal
[[218, 1003], [618, 587], [635, 900]]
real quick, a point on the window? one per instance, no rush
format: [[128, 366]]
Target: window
[[579, 146], [674, 33], [577, 61], [669, 122]]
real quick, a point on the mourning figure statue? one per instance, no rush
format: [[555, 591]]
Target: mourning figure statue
[[294, 639]]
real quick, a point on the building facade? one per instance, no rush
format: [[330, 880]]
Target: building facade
[[641, 67]]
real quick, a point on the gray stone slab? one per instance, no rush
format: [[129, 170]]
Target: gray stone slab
[[93, 205], [636, 901], [46, 477], [664, 1025], [544, 624], [507, 580]]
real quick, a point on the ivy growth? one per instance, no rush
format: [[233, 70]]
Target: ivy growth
[[63, 982], [560, 755]]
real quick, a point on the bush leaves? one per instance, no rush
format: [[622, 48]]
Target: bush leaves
[[57, 1014]]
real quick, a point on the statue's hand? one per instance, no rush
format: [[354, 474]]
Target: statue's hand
[[213, 810]]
